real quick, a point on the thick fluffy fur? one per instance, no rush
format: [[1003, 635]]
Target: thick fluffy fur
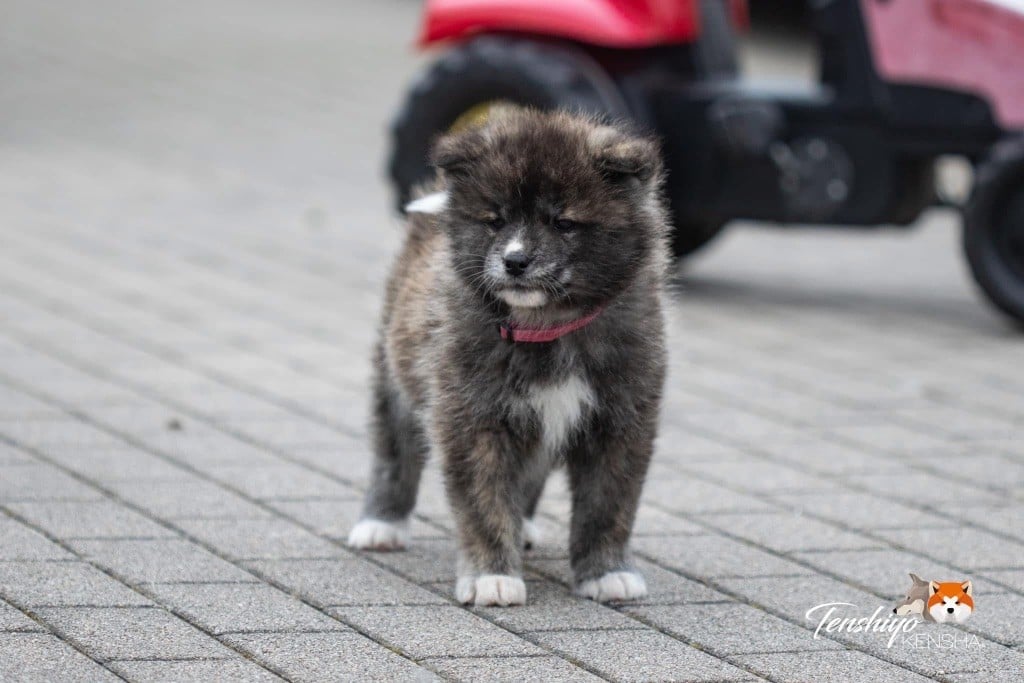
[[582, 201]]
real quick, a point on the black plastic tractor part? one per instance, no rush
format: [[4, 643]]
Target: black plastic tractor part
[[994, 227]]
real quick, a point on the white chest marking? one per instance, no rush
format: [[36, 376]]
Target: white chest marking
[[560, 408]]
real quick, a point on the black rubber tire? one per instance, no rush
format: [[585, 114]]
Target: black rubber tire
[[993, 215], [689, 238], [517, 70]]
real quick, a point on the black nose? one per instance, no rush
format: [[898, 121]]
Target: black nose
[[516, 263], [950, 610]]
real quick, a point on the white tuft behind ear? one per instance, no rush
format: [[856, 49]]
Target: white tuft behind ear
[[432, 204]]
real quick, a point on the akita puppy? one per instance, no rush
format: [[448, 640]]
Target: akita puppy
[[522, 330]]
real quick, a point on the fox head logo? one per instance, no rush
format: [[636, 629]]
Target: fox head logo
[[950, 601]]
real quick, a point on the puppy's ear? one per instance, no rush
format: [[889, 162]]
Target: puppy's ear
[[968, 588], [917, 579], [455, 153], [619, 155], [933, 588]]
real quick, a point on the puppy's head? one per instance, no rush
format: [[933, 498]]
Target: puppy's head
[[550, 209]]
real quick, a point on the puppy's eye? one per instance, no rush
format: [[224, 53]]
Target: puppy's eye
[[566, 225], [494, 222]]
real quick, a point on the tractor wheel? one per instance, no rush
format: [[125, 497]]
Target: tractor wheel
[[994, 227], [459, 88]]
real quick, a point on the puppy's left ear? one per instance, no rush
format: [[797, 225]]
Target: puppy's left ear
[[968, 588], [620, 155]]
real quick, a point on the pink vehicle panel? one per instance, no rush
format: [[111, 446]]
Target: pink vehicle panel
[[974, 46]]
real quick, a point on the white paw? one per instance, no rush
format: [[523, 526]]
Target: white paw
[[490, 589], [531, 533], [614, 586], [376, 534]]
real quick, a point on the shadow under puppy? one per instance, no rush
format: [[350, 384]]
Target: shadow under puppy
[[523, 330]]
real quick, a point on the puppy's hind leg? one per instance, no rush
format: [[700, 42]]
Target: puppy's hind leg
[[400, 452]]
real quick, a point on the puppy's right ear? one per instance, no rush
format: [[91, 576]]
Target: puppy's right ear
[[455, 153], [933, 588]]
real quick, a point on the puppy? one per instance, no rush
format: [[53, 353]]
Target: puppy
[[523, 330]]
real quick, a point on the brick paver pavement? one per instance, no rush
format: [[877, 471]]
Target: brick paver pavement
[[194, 231]]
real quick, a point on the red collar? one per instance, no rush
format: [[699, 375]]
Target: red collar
[[516, 333]]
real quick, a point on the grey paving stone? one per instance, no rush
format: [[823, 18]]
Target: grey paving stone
[[64, 584], [883, 572], [93, 519], [194, 671], [787, 532], [13, 619], [138, 419], [42, 658], [962, 547], [39, 433], [729, 629], [688, 495], [335, 518], [352, 463], [208, 448], [714, 556], [17, 405], [425, 631], [794, 596], [896, 487], [281, 481], [936, 650], [863, 511], [997, 617], [11, 456], [424, 561], [890, 438], [254, 539], [239, 607], [827, 666], [191, 499], [347, 580], [651, 521], [1011, 578], [139, 561], [552, 607], [664, 586], [117, 464], [760, 476], [328, 656], [508, 669], [43, 482], [107, 633], [289, 431], [639, 656], [20, 542]]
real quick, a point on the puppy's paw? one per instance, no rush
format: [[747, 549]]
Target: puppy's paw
[[531, 534], [614, 586], [377, 534], [490, 589]]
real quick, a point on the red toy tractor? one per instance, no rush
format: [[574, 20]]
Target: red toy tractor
[[902, 82]]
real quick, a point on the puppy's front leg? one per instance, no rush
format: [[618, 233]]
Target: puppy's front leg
[[606, 479], [484, 493]]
